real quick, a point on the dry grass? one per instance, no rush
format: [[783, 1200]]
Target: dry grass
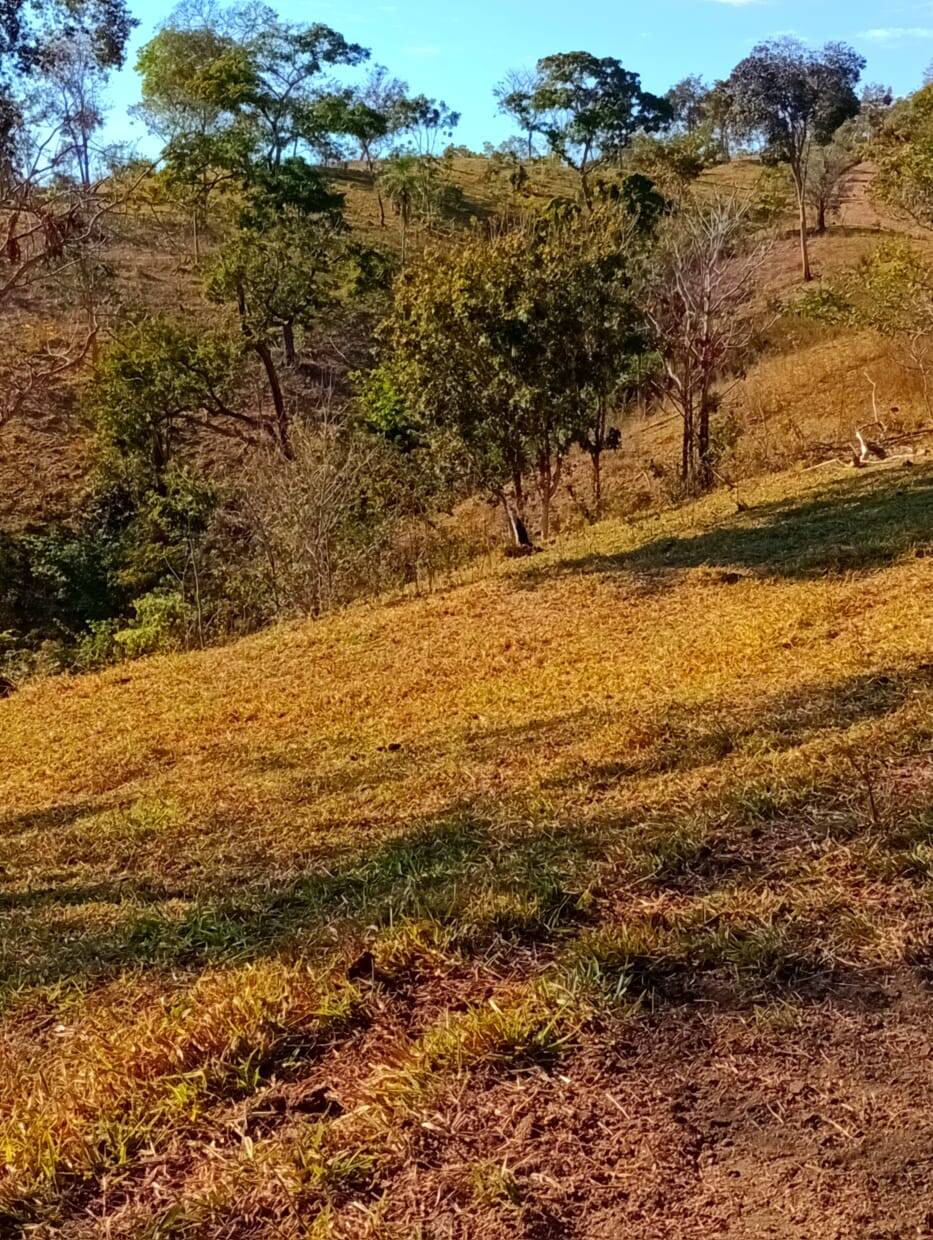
[[269, 911]]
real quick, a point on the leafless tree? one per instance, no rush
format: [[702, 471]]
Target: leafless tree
[[698, 288], [51, 232], [306, 516], [73, 103]]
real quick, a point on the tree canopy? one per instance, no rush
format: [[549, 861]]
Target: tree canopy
[[793, 97], [587, 109]]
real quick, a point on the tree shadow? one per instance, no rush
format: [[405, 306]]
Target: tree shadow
[[511, 871], [458, 869], [855, 525], [49, 819], [696, 736]]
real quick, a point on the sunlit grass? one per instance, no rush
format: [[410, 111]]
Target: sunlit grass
[[434, 841]]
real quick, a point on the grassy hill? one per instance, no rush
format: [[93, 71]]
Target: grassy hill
[[588, 899]]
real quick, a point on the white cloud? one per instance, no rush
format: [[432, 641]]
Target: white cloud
[[892, 34]]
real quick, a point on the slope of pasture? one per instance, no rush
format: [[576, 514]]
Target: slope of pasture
[[590, 899]]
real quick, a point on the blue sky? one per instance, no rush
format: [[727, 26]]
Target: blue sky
[[458, 51]]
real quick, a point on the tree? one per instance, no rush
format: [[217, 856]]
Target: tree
[[826, 172], [158, 383], [697, 283], [29, 27], [264, 110], [519, 85], [52, 57], [587, 109], [892, 293], [719, 110], [424, 120], [74, 104], [672, 163], [181, 104], [876, 101], [903, 152], [795, 98], [277, 278], [414, 187], [511, 347], [687, 100]]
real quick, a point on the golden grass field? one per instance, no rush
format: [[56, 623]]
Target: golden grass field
[[590, 898]]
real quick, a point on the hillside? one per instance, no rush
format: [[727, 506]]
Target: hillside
[[806, 389], [589, 899]]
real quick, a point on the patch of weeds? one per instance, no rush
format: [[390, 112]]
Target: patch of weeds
[[668, 854], [202, 931], [760, 952], [917, 863], [142, 821], [535, 1028], [768, 800], [610, 966], [912, 844], [521, 914], [325, 1168], [777, 1016], [494, 1184]]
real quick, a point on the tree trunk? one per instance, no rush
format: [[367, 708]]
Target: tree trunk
[[517, 526], [821, 218], [804, 241], [549, 472], [704, 473], [288, 344], [686, 448], [196, 234], [278, 399], [596, 458]]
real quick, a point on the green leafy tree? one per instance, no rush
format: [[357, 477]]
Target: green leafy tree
[[672, 163], [423, 122], [280, 278], [687, 99], [892, 293], [719, 112], [416, 189], [189, 78], [159, 385], [511, 348], [247, 102], [794, 98], [903, 153], [587, 110]]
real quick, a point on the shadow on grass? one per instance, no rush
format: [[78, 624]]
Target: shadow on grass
[[697, 736], [480, 875], [53, 817], [460, 871], [856, 525]]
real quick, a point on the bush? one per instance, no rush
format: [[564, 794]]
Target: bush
[[344, 518], [164, 622]]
